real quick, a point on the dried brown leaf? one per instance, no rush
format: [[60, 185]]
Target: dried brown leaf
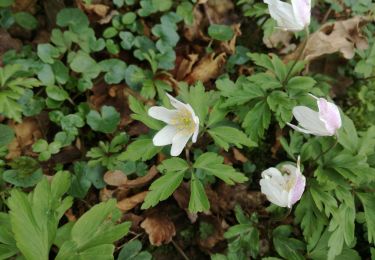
[[341, 36], [27, 133], [115, 178], [185, 66], [160, 229], [208, 67], [141, 181], [131, 202], [239, 156]]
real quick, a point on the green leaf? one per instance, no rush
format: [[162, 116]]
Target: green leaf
[[6, 3], [140, 114], [220, 32], [38, 215], [80, 180], [168, 37], [47, 53], [347, 134], [57, 93], [300, 85], [185, 10], [83, 63], [198, 199], [141, 149], [93, 234], [368, 202], [25, 172], [110, 32], [128, 18], [45, 75], [213, 164], [320, 251], [164, 186], [312, 221], [115, 70], [135, 76], [106, 122], [226, 135], [288, 248], [132, 251], [6, 135], [282, 105], [257, 120], [342, 227], [26, 20], [198, 99], [74, 18]]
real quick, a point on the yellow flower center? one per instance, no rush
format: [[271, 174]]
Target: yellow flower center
[[184, 121]]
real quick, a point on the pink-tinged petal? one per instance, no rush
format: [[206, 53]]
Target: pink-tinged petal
[[283, 14], [162, 114], [330, 115], [302, 11], [296, 192], [165, 135], [179, 142], [310, 121]]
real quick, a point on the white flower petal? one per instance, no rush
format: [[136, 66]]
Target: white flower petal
[[162, 114], [179, 141], [165, 135], [283, 14], [196, 131], [273, 193], [302, 11], [177, 103], [310, 121]]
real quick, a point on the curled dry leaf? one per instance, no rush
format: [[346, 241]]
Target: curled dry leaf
[[208, 67], [341, 36], [280, 39], [239, 156], [100, 10], [131, 202], [230, 46], [141, 181], [8, 43], [194, 31], [160, 229], [185, 66], [106, 194], [108, 17], [115, 178], [27, 133]]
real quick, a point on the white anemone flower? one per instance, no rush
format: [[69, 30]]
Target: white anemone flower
[[182, 123], [325, 122], [291, 17], [286, 189]]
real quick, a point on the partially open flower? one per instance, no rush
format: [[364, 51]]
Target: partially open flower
[[326, 122], [283, 188], [291, 17], [182, 123]]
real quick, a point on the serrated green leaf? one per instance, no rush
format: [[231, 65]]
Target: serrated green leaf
[[162, 188], [226, 135], [198, 199], [140, 149], [213, 164]]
